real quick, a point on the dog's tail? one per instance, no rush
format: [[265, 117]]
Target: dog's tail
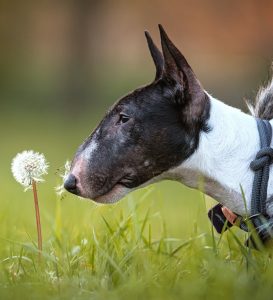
[[262, 106]]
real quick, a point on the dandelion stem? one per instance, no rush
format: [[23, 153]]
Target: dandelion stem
[[38, 220]]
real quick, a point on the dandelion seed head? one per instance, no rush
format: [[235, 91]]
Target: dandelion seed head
[[66, 169], [28, 166]]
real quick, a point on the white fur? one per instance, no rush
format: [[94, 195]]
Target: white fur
[[79, 168], [88, 151], [223, 157]]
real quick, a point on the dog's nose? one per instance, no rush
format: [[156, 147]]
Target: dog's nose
[[70, 184]]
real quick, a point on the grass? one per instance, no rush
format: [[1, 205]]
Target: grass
[[155, 244]]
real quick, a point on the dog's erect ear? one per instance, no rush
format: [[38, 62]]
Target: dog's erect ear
[[177, 68], [176, 65], [156, 55]]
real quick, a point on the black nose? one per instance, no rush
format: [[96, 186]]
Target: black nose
[[70, 184]]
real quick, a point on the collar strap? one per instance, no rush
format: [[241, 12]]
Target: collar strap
[[260, 165]]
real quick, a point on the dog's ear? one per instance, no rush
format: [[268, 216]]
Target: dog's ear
[[177, 69], [175, 64], [156, 55]]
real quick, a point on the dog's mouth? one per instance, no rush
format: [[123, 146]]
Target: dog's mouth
[[128, 181], [115, 191]]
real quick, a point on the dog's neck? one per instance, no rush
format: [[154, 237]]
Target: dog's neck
[[220, 165]]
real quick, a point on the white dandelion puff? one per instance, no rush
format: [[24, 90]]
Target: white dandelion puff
[[66, 169], [29, 166]]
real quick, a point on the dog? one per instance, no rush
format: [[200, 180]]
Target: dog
[[173, 129]]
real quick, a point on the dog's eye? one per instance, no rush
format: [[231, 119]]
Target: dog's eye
[[123, 118]]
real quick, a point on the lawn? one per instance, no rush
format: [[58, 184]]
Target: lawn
[[157, 243]]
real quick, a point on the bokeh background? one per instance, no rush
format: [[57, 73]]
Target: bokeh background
[[63, 63]]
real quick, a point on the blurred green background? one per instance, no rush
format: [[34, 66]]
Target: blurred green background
[[63, 63]]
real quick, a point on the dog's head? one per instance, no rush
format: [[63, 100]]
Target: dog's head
[[146, 133]]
